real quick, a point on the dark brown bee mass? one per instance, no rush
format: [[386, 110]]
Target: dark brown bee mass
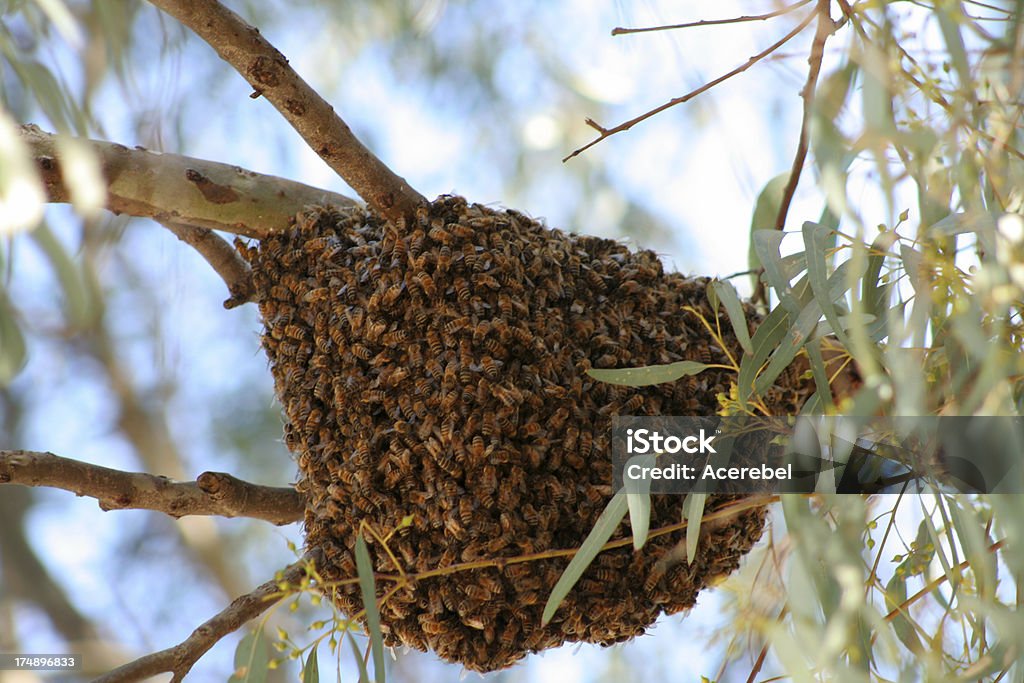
[[438, 371]]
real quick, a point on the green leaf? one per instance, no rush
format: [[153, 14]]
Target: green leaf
[[820, 374], [638, 498], [818, 240], [13, 352], [311, 669], [766, 337], [727, 296], [766, 210], [693, 513], [896, 595], [767, 244], [646, 376], [364, 675], [603, 529], [252, 659], [950, 26], [364, 566]]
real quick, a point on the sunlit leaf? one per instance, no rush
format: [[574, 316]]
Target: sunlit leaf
[[693, 513], [646, 376], [726, 294], [603, 529]]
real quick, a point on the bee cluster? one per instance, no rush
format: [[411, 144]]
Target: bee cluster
[[437, 371]]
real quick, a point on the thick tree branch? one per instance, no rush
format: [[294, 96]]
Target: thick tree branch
[[222, 257], [268, 72], [180, 659], [184, 190], [213, 493]]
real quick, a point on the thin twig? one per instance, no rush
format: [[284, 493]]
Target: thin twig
[[180, 659], [608, 132], [620, 31], [222, 257], [269, 73], [186, 190], [763, 654], [213, 493]]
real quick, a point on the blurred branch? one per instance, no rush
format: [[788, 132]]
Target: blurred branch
[[213, 493], [184, 190], [605, 133], [620, 31], [268, 72], [222, 257], [180, 659], [826, 27]]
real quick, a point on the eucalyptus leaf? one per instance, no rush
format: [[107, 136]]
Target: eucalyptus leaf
[[252, 659], [728, 297], [646, 376], [603, 529], [367, 585], [311, 669]]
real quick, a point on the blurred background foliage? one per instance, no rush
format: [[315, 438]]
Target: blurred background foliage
[[114, 347]]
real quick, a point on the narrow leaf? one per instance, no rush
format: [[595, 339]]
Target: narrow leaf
[[311, 669], [646, 376], [369, 593], [364, 675], [727, 296], [603, 529], [817, 241], [693, 512]]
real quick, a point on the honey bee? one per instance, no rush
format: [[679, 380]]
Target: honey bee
[[438, 234], [444, 259], [456, 324], [497, 241], [447, 431], [295, 331], [476, 448], [416, 242], [374, 329], [461, 231], [634, 403], [530, 429], [465, 374], [703, 352], [280, 293], [509, 397], [322, 388], [453, 527], [426, 284], [361, 352], [466, 511], [505, 304], [392, 293], [419, 408], [485, 280], [490, 367], [395, 338], [462, 289], [558, 419], [494, 346]]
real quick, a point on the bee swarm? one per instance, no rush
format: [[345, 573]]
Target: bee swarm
[[438, 371]]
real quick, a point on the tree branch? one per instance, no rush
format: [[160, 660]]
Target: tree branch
[[213, 493], [608, 132], [180, 659], [826, 27], [268, 72], [222, 257], [184, 190], [621, 31]]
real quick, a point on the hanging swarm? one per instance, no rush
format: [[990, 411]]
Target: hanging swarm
[[438, 372]]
